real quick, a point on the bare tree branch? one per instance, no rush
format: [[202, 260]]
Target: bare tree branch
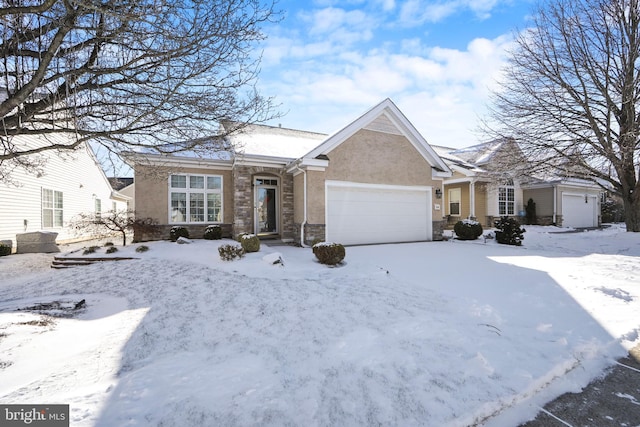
[[143, 74], [571, 95]]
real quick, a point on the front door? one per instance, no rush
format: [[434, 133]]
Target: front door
[[266, 206]]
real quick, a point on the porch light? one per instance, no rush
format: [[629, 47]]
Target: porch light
[[438, 193]]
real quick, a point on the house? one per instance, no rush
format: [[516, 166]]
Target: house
[[373, 181], [68, 184], [485, 186]]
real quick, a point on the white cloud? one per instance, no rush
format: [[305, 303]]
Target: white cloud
[[339, 24], [442, 91], [417, 12]]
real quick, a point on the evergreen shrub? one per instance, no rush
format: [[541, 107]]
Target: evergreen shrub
[[329, 253], [213, 232], [90, 250], [5, 250], [467, 229], [250, 242], [509, 231], [178, 231]]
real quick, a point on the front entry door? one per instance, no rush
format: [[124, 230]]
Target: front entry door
[[266, 202]]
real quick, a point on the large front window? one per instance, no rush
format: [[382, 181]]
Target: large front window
[[506, 199], [52, 208], [195, 198]]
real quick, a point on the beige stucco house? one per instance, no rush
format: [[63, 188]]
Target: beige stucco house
[[483, 188], [374, 181]]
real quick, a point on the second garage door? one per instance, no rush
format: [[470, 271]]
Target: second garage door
[[579, 210], [364, 214]]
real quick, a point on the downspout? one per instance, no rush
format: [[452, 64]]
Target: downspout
[[304, 197], [555, 201]]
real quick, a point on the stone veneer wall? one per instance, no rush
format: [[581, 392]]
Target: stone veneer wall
[[437, 229], [243, 199], [311, 232], [196, 231], [287, 226]]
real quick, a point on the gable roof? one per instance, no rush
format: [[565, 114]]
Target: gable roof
[[384, 117]]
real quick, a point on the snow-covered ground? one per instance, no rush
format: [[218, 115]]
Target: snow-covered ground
[[437, 334]]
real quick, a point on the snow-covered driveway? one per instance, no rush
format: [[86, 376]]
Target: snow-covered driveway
[[443, 333]]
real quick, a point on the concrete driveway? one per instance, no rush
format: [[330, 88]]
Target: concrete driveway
[[613, 400]]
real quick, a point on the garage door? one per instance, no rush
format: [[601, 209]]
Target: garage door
[[579, 210], [364, 214]]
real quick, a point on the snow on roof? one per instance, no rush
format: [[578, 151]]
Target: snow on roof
[[479, 154], [446, 154], [271, 141]]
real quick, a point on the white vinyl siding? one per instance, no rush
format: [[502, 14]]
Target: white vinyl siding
[[195, 198], [75, 174]]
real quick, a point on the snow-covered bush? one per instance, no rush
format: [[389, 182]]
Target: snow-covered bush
[[177, 232], [111, 249], [467, 229], [213, 232], [142, 248], [329, 253], [250, 242], [509, 231], [230, 252]]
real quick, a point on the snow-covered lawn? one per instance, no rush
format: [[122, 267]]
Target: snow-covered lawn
[[444, 333]]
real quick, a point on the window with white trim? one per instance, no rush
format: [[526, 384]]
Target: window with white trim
[[98, 208], [195, 198], [52, 208], [455, 196], [506, 199]]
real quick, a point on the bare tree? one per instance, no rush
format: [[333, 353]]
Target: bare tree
[[571, 92], [129, 74], [105, 224]]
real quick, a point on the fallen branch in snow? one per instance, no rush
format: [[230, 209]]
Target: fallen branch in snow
[[492, 328]]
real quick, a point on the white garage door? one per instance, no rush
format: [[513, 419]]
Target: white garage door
[[364, 214], [579, 210]]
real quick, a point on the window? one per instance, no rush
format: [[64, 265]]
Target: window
[[195, 198], [51, 208], [98, 208], [454, 201], [506, 199]]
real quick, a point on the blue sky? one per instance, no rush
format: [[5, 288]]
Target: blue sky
[[329, 61]]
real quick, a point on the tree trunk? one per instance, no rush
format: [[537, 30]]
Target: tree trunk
[[124, 238], [632, 212]]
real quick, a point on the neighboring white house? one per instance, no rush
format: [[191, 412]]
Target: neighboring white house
[[70, 183]]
